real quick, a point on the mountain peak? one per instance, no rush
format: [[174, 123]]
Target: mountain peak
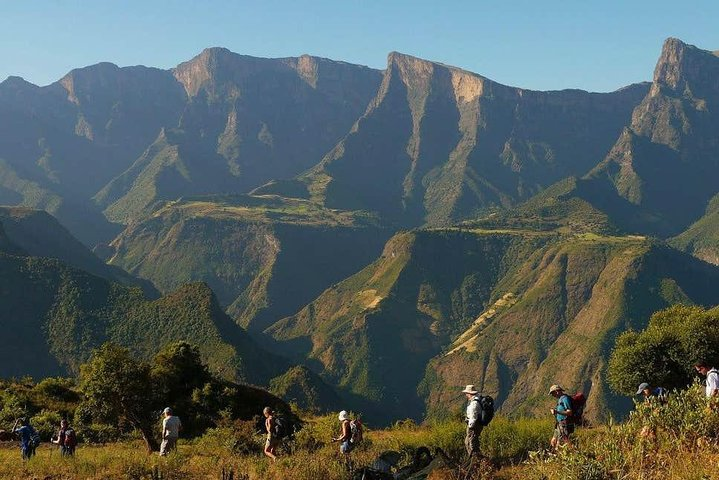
[[681, 64], [197, 71], [16, 84]]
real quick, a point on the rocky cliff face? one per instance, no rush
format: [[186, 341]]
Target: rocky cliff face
[[121, 139], [664, 163], [438, 144]]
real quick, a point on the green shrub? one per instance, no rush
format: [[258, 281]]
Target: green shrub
[[47, 423], [514, 439]]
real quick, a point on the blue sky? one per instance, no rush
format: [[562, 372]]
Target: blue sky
[[539, 44]]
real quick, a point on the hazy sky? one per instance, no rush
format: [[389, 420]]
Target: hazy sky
[[541, 44]]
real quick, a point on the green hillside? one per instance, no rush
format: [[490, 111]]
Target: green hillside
[[304, 388], [500, 309], [264, 257], [702, 238], [54, 315], [41, 235]]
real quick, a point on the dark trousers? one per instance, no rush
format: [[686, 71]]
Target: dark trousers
[[471, 440]]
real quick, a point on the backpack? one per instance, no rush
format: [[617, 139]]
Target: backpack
[[486, 409], [70, 438], [281, 427], [355, 431], [577, 402]]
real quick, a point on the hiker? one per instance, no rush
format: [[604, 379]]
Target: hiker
[[345, 438], [652, 395], [273, 440], [712, 374], [29, 439], [171, 426], [563, 427], [474, 425], [66, 439]]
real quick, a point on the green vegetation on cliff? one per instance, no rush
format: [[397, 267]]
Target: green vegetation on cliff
[[265, 257]]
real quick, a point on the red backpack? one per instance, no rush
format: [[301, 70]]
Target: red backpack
[[578, 401]]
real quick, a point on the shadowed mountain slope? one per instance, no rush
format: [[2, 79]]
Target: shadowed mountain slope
[[54, 315], [664, 165], [439, 144], [120, 139]]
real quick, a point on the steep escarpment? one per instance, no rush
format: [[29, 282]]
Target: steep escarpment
[[438, 144], [568, 303], [41, 235], [373, 334], [265, 257], [247, 120], [106, 142], [664, 164]]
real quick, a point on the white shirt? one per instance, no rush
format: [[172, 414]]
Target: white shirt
[[171, 427], [472, 412], [712, 381]]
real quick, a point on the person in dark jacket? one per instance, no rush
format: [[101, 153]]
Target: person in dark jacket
[[28, 437]]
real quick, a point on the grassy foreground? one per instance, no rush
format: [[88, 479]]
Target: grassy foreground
[[675, 441], [236, 450]]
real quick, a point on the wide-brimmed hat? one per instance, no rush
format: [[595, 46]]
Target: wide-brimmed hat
[[555, 388], [470, 389], [642, 387], [344, 416]]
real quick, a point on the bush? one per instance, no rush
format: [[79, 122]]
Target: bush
[[514, 439], [47, 423]]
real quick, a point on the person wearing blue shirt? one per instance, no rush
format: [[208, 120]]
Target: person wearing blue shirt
[[26, 434], [562, 412], [656, 394]]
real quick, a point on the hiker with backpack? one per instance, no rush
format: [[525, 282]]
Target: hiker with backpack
[[273, 439], [656, 395], [29, 438], [563, 414], [351, 434], [171, 426], [712, 374], [480, 410], [66, 439]]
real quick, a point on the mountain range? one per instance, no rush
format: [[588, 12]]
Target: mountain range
[[362, 238]]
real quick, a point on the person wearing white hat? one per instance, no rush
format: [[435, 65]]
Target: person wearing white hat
[[171, 426], [346, 435], [474, 426]]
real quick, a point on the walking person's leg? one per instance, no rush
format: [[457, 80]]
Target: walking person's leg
[[468, 441]]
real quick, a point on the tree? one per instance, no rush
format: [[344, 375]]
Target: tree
[[665, 352], [117, 386], [177, 373]]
